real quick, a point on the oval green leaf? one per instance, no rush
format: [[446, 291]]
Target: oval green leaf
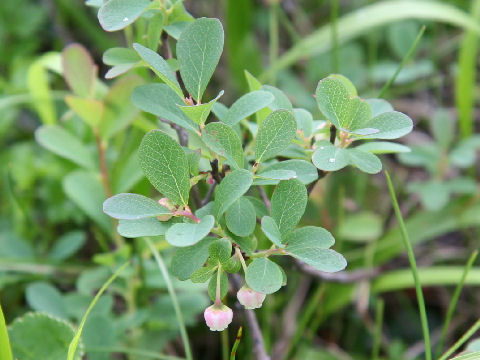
[[264, 276]]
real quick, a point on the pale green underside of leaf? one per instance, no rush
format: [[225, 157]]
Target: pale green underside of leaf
[[271, 230], [326, 260], [288, 204], [61, 142], [159, 66], [223, 140], [309, 237], [142, 227], [198, 51], [274, 134], [162, 101], [79, 70], [187, 234], [383, 147], [165, 165], [304, 170], [234, 185], [264, 276], [240, 217], [42, 296], [132, 207], [365, 161], [276, 175], [247, 105], [281, 101], [117, 14]]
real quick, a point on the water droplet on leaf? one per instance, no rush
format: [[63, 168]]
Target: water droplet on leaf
[[125, 19], [332, 160]]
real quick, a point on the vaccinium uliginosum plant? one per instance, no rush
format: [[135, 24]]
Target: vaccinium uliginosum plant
[[260, 140]]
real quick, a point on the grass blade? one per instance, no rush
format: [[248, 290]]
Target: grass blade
[[72, 348], [413, 265], [405, 60], [465, 84], [453, 302], [377, 339], [470, 332], [360, 22], [233, 354], [173, 296], [5, 349]]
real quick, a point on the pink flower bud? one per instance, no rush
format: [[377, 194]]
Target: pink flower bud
[[218, 317], [210, 180], [250, 298]]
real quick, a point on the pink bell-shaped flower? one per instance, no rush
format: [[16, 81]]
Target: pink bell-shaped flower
[[249, 298], [218, 317]]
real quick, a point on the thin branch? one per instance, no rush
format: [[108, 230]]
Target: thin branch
[[209, 195], [343, 277], [264, 196], [253, 326], [215, 172]]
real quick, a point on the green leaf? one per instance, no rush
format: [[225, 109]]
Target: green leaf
[[383, 147], [142, 227], [199, 113], [40, 92], [260, 208], [119, 111], [233, 265], [89, 110], [241, 217], [346, 112], [188, 259], [264, 276], [212, 286], [274, 134], [203, 274], [40, 336], [122, 60], [165, 165], [220, 251], [61, 142], [361, 227], [306, 173], [309, 236], [276, 175], [162, 101], [118, 14], [271, 230], [281, 100], [87, 192], [365, 161], [72, 349], [5, 348], [67, 245], [41, 296], [304, 121], [248, 105], [100, 331], [390, 125], [288, 204], [198, 51], [184, 234], [379, 106], [443, 128], [132, 207], [159, 66], [79, 70], [234, 185], [311, 245], [328, 157], [223, 140]]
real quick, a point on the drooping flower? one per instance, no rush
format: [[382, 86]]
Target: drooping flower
[[218, 317], [249, 298]]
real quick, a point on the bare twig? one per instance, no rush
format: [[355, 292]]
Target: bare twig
[[264, 197], [215, 172], [289, 321], [251, 318], [209, 195], [343, 277]]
